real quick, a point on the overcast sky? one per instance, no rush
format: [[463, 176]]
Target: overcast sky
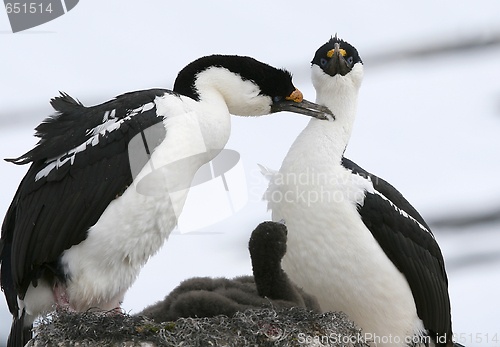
[[429, 125]]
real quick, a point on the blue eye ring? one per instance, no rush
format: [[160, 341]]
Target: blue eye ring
[[277, 98], [323, 61], [350, 60]]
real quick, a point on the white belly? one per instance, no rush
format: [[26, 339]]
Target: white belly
[[132, 229], [104, 266], [331, 254]]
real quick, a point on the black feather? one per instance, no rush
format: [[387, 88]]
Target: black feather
[[49, 214], [411, 249]]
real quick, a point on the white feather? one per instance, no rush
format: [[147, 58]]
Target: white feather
[[330, 252]]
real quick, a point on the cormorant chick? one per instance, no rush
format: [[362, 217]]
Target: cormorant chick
[[209, 297]]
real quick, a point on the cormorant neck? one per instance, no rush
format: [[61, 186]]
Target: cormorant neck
[[272, 282], [242, 97], [324, 142]]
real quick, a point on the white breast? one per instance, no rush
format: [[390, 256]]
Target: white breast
[[330, 252]]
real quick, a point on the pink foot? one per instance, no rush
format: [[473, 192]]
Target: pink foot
[[62, 301], [61, 297], [116, 311]]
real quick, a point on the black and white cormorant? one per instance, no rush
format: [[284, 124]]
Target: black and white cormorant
[[354, 241], [79, 230], [209, 297]]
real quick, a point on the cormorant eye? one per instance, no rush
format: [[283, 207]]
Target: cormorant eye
[[323, 61], [277, 98], [350, 60]]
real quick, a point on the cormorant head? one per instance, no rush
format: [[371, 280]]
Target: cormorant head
[[336, 57], [248, 86], [336, 74], [268, 243]]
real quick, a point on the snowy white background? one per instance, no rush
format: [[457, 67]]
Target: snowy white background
[[428, 124]]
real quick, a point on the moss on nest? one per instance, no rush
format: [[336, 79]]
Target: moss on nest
[[268, 326]]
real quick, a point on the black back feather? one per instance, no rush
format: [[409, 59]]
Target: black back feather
[[51, 213], [411, 249]]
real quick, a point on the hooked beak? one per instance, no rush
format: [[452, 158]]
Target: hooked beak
[[296, 104], [337, 64]]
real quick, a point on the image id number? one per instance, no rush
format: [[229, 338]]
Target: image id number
[[32, 7]]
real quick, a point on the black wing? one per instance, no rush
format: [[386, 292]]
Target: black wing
[[410, 245], [79, 166]]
